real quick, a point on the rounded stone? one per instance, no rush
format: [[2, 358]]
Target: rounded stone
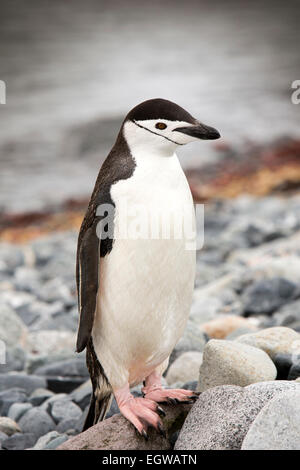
[[36, 421], [8, 426], [65, 409], [17, 410], [231, 363]]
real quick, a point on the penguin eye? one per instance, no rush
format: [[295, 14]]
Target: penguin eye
[[160, 125]]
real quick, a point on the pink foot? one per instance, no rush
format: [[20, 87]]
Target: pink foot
[[174, 396], [153, 390], [141, 412]]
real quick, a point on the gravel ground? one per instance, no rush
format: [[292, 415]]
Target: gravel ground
[[246, 305]]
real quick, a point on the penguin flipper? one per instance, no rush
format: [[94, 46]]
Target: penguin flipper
[[88, 259]]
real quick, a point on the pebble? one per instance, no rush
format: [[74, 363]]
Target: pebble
[[8, 426], [228, 362], [273, 340], [36, 421], [185, 368], [65, 409], [221, 327], [277, 425], [17, 410], [52, 445]]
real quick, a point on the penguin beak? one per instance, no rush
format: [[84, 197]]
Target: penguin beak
[[200, 131]]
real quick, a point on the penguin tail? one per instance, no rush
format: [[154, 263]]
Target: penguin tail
[[97, 410]]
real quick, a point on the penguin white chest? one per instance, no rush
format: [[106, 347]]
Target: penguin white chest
[[147, 280]]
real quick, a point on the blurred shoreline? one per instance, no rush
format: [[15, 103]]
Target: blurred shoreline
[[259, 171], [73, 71]]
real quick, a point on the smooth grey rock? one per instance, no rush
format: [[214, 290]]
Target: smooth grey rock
[[65, 409], [17, 410], [56, 442], [185, 368], [231, 363], [9, 397], [19, 441], [277, 425], [267, 295], [221, 417], [273, 340], [23, 381], [8, 426], [36, 421], [193, 339]]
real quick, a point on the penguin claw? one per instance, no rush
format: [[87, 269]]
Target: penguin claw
[[145, 435], [161, 411]]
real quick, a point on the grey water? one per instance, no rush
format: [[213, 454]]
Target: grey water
[[74, 69]]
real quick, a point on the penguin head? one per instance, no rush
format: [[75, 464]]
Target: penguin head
[[162, 125]]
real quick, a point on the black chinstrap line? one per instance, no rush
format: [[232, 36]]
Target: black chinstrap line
[[155, 133]]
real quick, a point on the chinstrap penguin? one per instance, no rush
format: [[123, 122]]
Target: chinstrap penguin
[[134, 295]]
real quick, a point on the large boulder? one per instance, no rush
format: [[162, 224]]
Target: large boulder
[[277, 425], [222, 416], [116, 433]]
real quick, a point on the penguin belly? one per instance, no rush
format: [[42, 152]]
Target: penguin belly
[[145, 288]]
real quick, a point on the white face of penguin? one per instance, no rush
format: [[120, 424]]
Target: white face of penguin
[[162, 136]]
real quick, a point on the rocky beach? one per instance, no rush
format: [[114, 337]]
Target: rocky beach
[[241, 347]]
